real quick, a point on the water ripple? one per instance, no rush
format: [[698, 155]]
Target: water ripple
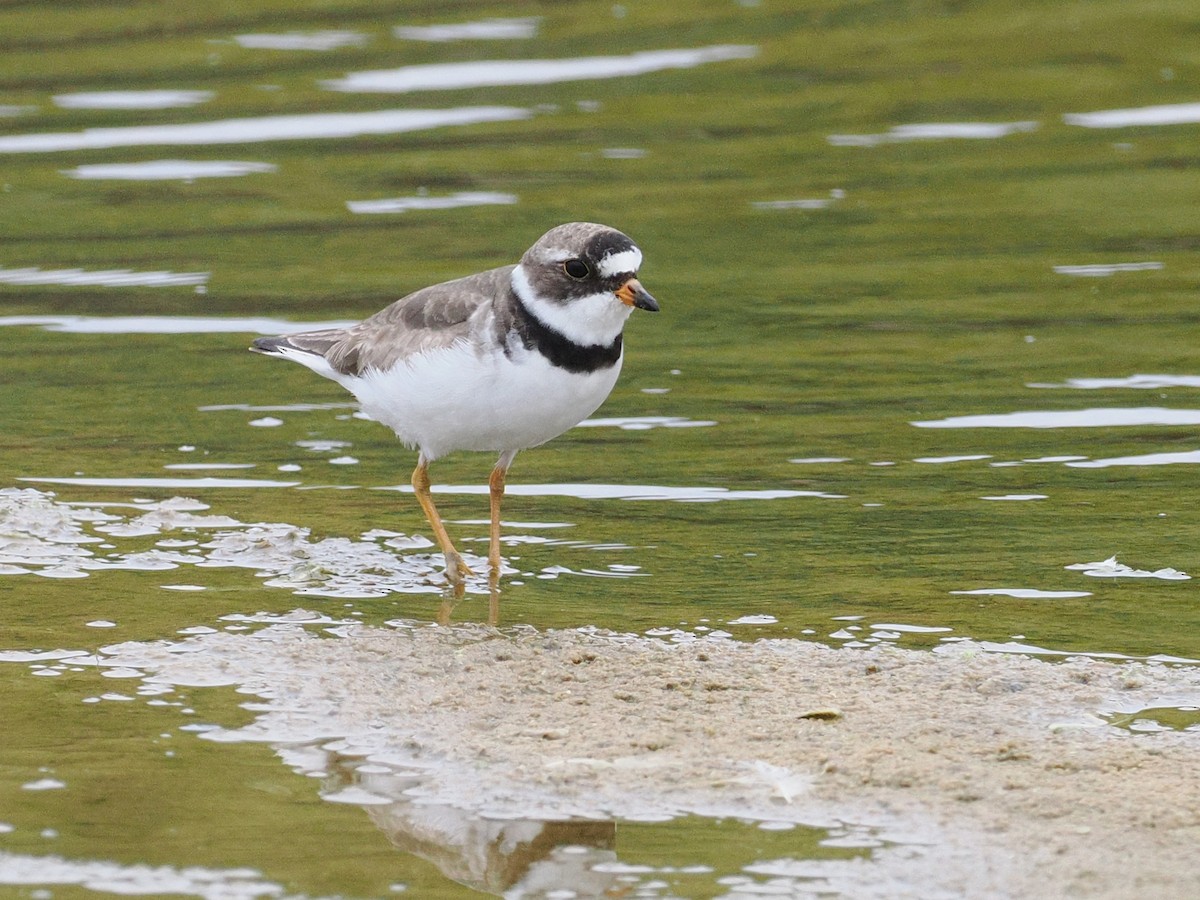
[[494, 73]]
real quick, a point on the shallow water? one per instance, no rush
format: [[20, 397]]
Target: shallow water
[[903, 410]]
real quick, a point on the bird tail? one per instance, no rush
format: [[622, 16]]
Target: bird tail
[[317, 343], [310, 348]]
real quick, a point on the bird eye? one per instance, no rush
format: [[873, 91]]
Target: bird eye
[[577, 269]]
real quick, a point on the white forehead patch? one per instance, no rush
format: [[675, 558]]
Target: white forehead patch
[[616, 263]]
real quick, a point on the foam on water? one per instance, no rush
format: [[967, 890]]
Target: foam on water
[[108, 877], [311, 126], [754, 619], [1018, 647], [42, 536], [292, 617], [493, 73], [48, 538], [1110, 568]]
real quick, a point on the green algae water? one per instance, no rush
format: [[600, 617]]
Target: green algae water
[[925, 369]]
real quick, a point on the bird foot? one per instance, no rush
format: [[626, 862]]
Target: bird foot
[[456, 570]]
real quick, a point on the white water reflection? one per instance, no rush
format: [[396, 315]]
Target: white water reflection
[[1138, 382], [813, 203], [951, 459], [1185, 457], [173, 483], [934, 131], [1024, 593], [312, 126], [911, 629], [1169, 114], [213, 466], [495, 73], [485, 30], [302, 40], [613, 571], [1078, 418], [285, 407], [160, 99], [167, 170], [452, 201], [34, 275], [167, 324], [644, 423], [1103, 270], [697, 494]]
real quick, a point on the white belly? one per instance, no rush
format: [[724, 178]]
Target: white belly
[[456, 399]]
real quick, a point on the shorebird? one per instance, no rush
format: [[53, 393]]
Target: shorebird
[[498, 361]]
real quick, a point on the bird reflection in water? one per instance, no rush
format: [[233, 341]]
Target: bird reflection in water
[[509, 857]]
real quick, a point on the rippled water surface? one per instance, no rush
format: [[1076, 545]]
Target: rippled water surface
[[926, 370]]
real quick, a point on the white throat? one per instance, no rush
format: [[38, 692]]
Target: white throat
[[594, 320]]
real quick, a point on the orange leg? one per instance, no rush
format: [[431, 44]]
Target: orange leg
[[456, 569], [496, 492]]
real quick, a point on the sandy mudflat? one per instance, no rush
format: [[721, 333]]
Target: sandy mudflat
[[982, 774]]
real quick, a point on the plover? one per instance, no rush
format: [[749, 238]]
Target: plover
[[499, 361]]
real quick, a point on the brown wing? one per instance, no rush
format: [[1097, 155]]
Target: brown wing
[[428, 319]]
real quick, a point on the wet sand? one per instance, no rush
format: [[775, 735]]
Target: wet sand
[[981, 774]]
